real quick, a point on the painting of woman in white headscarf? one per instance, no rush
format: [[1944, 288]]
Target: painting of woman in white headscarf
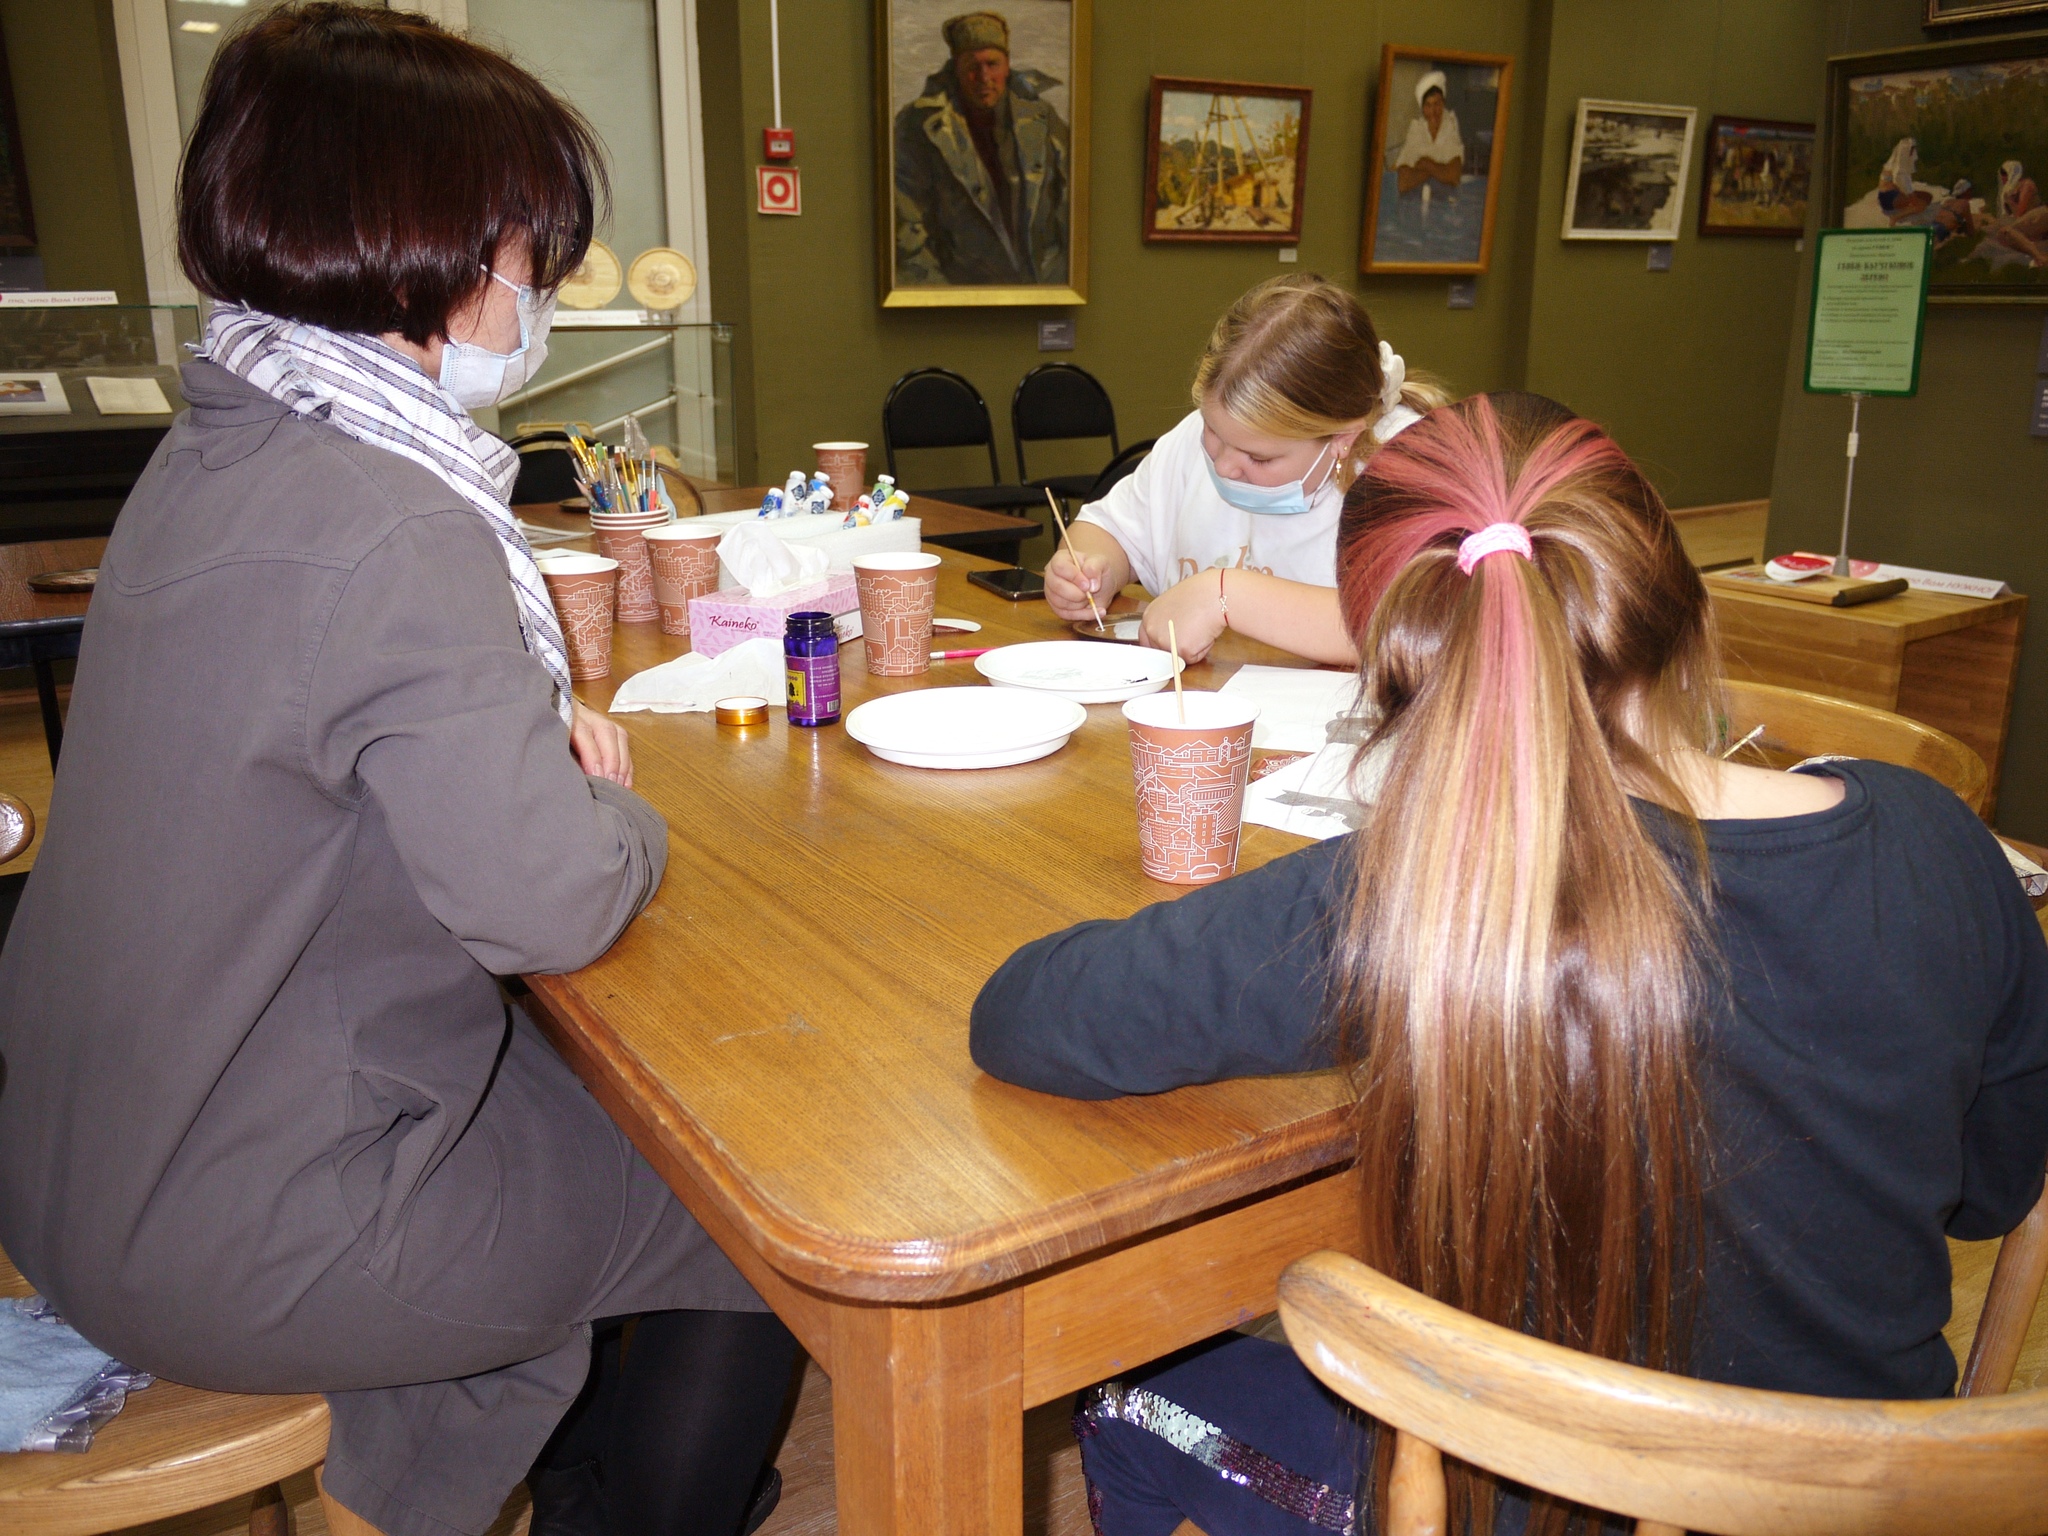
[[1437, 142], [1954, 139]]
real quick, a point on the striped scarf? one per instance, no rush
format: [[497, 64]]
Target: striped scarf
[[380, 397]]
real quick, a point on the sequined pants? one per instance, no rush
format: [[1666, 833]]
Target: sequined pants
[[1234, 1435]]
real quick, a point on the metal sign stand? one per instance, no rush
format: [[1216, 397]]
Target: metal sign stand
[[1841, 565]]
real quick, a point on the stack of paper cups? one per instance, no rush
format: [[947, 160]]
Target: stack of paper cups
[[619, 537]]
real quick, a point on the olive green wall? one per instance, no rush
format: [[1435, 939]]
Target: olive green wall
[[74, 134], [1650, 353], [1947, 480]]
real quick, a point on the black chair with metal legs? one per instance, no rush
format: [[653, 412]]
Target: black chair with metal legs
[[937, 408], [1058, 402], [37, 644], [1118, 468]]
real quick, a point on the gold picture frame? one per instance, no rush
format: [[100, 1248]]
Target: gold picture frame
[[947, 234], [1394, 240]]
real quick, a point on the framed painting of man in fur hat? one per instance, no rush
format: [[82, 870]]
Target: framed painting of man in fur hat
[[1439, 130], [982, 137]]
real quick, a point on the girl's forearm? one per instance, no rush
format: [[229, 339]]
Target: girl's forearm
[[1291, 615]]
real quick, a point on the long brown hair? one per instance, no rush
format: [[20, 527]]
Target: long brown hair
[[1297, 356], [1520, 971]]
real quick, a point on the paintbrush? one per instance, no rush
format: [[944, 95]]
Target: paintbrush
[[1073, 554], [1180, 700]]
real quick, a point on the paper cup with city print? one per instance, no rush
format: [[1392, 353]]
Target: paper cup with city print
[[846, 466], [896, 596], [1191, 780], [685, 563], [624, 541], [584, 589]]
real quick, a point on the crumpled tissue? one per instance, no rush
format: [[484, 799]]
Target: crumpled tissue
[[766, 565], [694, 683]]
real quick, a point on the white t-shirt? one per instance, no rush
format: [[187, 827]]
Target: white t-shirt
[[1443, 146], [1172, 524]]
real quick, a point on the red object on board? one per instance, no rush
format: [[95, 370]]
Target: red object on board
[[778, 143], [781, 190]]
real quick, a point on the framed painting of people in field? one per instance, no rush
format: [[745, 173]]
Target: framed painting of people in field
[[1226, 162], [1756, 178], [982, 143], [1438, 139], [1951, 137]]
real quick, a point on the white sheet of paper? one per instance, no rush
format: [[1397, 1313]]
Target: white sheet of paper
[[128, 397], [1296, 704], [1319, 795], [538, 536]]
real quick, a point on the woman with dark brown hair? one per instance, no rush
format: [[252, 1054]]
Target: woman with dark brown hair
[[1657, 1056], [269, 1123]]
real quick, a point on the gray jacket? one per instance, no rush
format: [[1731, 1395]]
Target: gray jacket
[[948, 226], [313, 796]]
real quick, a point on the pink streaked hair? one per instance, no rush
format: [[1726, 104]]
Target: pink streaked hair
[[1452, 468]]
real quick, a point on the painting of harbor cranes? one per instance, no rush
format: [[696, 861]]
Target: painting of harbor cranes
[[1227, 162]]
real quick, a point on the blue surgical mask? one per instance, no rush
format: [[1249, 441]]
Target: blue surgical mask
[[477, 376], [1271, 500]]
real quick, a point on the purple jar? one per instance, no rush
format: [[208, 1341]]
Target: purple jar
[[810, 648]]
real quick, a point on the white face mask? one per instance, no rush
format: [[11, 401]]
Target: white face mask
[[477, 376]]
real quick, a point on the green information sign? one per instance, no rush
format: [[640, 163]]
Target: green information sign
[[1869, 308]]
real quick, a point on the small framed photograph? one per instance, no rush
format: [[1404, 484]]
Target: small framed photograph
[[1949, 13], [33, 394], [1438, 141], [1756, 178], [1628, 169], [1226, 162]]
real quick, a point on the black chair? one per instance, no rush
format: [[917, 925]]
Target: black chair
[[547, 469], [1118, 468], [1055, 402], [936, 408]]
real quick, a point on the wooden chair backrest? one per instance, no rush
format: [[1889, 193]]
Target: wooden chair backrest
[[1728, 533], [1673, 1453], [1800, 725]]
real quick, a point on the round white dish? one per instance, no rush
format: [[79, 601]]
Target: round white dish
[[1078, 670], [964, 727]]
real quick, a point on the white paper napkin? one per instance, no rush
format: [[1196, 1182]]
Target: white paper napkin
[[694, 683], [766, 565]]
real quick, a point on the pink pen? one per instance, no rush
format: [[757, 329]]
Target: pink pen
[[961, 655]]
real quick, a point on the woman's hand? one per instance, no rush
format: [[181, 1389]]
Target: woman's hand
[[1068, 584], [1195, 612], [599, 746]]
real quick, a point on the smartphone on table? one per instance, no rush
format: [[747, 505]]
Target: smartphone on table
[[1013, 582]]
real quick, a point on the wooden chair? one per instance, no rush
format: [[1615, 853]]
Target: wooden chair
[[171, 1450], [1799, 725], [1676, 1454]]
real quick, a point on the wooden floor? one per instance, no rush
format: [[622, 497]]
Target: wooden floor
[[1055, 1502]]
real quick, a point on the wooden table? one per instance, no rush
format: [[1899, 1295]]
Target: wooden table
[[1946, 661], [996, 535], [783, 1033]]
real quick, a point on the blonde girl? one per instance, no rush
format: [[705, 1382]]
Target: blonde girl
[[1232, 521]]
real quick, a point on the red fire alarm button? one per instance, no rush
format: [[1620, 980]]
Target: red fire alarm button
[[778, 143], [780, 189]]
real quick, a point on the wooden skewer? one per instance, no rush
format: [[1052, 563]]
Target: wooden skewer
[[1752, 736], [1073, 554], [1180, 700]]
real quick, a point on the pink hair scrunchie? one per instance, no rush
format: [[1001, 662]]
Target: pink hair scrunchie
[[1492, 540]]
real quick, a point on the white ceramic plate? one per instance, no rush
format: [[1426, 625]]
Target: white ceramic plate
[[1079, 670], [964, 727]]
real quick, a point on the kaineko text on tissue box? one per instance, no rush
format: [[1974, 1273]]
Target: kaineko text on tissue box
[[724, 619]]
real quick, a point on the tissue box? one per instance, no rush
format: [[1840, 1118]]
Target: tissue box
[[842, 546], [724, 619]]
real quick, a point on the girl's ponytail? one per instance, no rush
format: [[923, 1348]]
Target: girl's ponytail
[[1518, 978]]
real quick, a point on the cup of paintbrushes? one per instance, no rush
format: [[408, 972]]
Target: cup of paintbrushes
[[584, 590], [685, 562], [619, 537], [1191, 755]]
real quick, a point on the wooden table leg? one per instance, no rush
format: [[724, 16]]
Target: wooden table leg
[[928, 1418]]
